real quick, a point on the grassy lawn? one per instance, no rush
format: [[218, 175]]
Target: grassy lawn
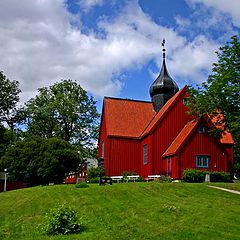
[[125, 211]]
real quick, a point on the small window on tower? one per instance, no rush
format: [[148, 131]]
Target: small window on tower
[[201, 129]]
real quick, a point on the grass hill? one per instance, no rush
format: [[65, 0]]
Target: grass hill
[[125, 211]]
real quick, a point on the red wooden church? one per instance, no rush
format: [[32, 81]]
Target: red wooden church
[[160, 137]]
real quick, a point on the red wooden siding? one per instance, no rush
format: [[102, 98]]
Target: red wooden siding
[[103, 137], [128, 125], [203, 144], [124, 156], [147, 169], [167, 131]]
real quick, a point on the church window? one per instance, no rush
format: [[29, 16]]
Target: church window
[[103, 146], [145, 154], [202, 161], [201, 129]]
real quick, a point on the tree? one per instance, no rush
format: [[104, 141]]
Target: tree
[[63, 110], [9, 97], [41, 161], [221, 92]]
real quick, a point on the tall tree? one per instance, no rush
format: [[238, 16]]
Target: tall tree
[[63, 110], [222, 90], [40, 161], [9, 97]]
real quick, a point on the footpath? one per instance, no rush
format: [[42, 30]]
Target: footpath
[[226, 190]]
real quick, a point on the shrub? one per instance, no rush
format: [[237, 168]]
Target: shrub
[[93, 180], [165, 178], [220, 177], [193, 175], [127, 173], [237, 166], [140, 179], [62, 220], [93, 174], [82, 185]]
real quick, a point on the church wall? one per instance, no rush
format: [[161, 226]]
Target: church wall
[[147, 168], [203, 144], [167, 131], [103, 137], [230, 156], [125, 155]]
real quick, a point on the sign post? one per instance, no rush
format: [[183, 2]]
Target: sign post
[[5, 180]]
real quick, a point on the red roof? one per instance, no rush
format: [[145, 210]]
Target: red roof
[[226, 137], [163, 111], [185, 133], [127, 118], [181, 138]]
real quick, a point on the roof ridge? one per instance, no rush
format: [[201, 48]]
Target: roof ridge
[[196, 120], [127, 99], [165, 111]]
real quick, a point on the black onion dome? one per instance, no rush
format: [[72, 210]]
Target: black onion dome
[[164, 84]]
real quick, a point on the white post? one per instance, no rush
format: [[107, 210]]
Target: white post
[[5, 180]]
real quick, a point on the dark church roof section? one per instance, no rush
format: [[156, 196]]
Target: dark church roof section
[[126, 118], [164, 87]]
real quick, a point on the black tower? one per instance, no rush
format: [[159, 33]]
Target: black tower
[[164, 87]]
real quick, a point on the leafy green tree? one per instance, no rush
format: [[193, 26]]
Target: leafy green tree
[[222, 90], [63, 110], [7, 137], [9, 97], [40, 161]]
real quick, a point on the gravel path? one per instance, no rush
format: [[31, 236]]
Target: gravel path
[[225, 189]]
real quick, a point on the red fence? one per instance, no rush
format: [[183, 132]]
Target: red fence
[[13, 185]]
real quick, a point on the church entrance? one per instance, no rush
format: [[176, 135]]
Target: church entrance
[[169, 167]]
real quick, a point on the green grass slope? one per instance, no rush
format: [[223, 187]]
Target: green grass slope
[[125, 211]]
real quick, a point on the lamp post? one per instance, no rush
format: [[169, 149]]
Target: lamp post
[[5, 180]]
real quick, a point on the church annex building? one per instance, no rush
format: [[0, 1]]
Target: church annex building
[[160, 137]]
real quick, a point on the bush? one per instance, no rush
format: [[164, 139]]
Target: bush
[[237, 166], [220, 177], [93, 174], [140, 179], [193, 175], [62, 220], [127, 173], [93, 180], [82, 185], [164, 179]]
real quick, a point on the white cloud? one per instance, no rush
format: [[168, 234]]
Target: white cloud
[[88, 4], [226, 6], [194, 59], [39, 46]]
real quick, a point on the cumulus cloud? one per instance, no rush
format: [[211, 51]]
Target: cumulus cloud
[[193, 60], [40, 45], [230, 7]]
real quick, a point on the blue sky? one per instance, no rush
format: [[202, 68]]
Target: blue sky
[[112, 47]]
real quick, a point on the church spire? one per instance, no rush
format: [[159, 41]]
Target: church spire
[[164, 87]]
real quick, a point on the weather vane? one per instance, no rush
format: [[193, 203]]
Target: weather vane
[[164, 49]]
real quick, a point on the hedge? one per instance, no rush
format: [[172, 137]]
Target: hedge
[[193, 175]]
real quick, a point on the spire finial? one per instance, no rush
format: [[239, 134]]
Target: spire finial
[[163, 49]]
